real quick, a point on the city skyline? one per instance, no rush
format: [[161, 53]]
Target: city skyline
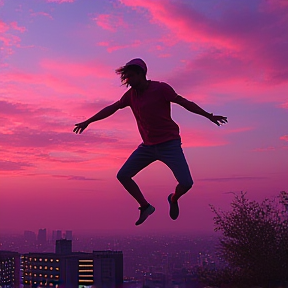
[[139, 251], [58, 59]]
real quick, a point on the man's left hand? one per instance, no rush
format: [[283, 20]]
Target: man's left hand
[[218, 120]]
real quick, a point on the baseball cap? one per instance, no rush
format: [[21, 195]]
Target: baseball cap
[[138, 62]]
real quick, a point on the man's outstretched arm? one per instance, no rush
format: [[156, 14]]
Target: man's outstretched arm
[[104, 113], [194, 108]]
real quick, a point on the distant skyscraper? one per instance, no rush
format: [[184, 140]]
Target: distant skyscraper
[[29, 236], [42, 236], [53, 236], [63, 246], [58, 234], [68, 235]]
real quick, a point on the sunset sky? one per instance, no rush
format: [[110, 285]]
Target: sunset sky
[[57, 68]]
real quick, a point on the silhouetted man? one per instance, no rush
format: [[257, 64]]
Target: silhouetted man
[[150, 102]]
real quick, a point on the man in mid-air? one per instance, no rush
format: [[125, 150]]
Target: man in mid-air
[[150, 102]]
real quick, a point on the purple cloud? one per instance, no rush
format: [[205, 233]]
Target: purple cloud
[[13, 165]]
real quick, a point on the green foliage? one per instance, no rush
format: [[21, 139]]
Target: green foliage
[[255, 240]]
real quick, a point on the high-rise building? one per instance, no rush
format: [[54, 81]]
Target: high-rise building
[[68, 235], [104, 269], [42, 236], [58, 234], [9, 269], [63, 246], [29, 236]]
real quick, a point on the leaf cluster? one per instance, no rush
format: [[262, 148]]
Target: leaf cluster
[[254, 240]]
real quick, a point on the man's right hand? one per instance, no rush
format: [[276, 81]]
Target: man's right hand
[[80, 127]]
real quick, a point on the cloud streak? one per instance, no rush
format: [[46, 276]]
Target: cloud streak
[[237, 43], [6, 165]]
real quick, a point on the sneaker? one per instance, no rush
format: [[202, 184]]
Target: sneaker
[[144, 213], [174, 208]]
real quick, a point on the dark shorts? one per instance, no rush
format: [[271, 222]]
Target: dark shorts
[[169, 152]]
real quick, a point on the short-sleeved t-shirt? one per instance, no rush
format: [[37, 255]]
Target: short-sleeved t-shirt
[[152, 111]]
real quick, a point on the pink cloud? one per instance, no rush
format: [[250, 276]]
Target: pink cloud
[[7, 165], [284, 105], [50, 81], [8, 39], [135, 43], [14, 26], [285, 137], [45, 14], [61, 1], [197, 138], [265, 149], [111, 47], [78, 69], [110, 22], [3, 27], [245, 42], [185, 22], [77, 178], [61, 76]]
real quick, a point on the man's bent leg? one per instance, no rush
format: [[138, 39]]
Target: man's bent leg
[[179, 191], [131, 186], [172, 155], [138, 160]]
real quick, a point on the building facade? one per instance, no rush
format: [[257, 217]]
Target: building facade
[[67, 269], [9, 269]]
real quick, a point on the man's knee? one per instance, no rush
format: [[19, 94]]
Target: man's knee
[[187, 185], [122, 176]]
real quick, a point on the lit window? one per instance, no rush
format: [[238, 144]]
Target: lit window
[[51, 260], [51, 268]]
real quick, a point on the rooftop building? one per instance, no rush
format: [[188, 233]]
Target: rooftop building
[[68, 269], [9, 269]]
